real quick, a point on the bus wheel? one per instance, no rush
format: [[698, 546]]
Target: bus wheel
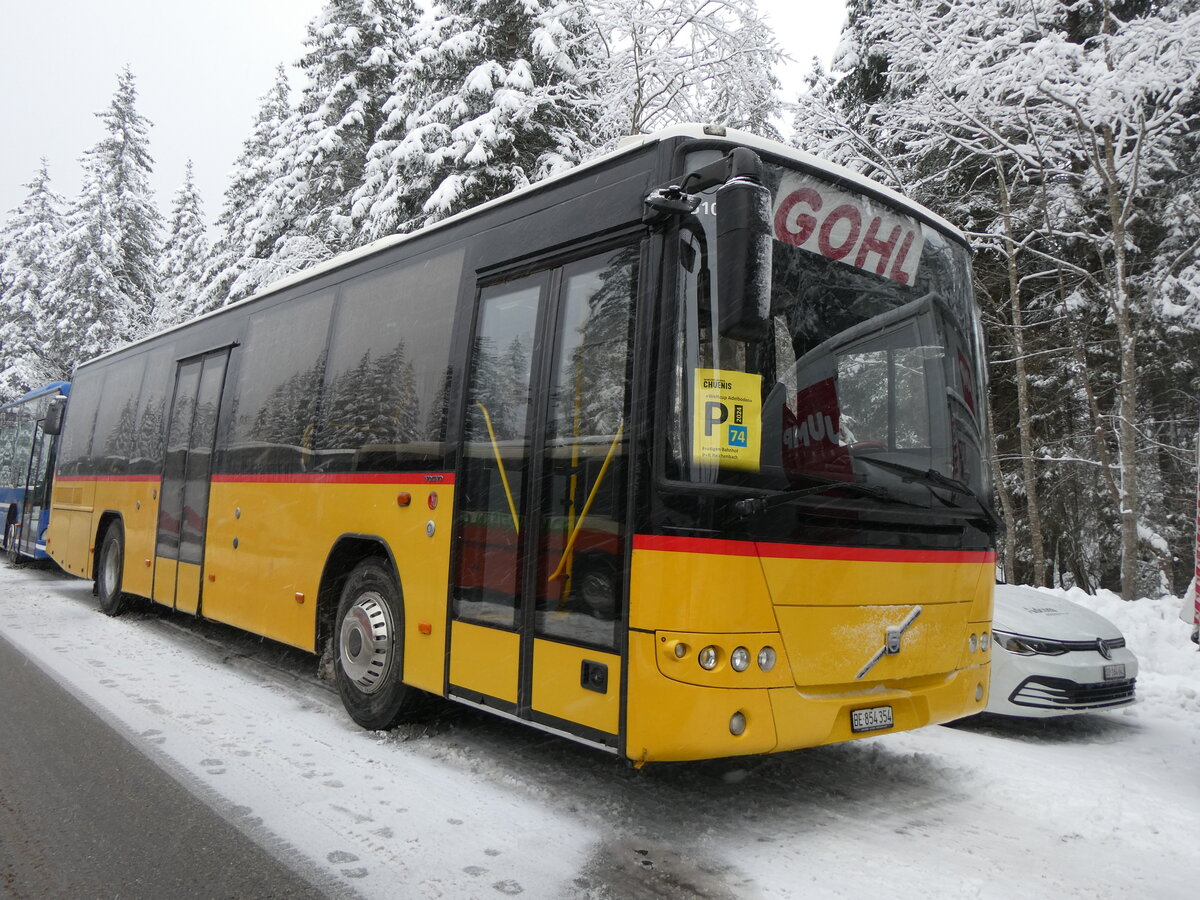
[[10, 544], [596, 587], [369, 641], [108, 572]]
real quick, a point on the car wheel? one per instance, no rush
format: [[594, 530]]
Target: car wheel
[[368, 642], [109, 569]]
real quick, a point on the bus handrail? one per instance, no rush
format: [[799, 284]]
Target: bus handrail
[[512, 507], [608, 457]]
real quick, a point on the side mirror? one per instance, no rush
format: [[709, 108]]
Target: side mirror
[[744, 251], [744, 239], [55, 414]]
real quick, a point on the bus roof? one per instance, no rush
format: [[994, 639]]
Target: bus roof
[[628, 145], [54, 387]]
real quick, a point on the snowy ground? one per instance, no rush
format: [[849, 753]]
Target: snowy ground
[[464, 805]]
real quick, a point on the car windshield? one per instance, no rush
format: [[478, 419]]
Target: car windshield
[[870, 371]]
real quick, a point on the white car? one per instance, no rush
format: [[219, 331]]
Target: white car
[[1052, 657]]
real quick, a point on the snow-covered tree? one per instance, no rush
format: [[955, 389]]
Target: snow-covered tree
[[29, 245], [504, 104], [303, 214], [232, 271], [106, 277], [184, 256], [661, 62]]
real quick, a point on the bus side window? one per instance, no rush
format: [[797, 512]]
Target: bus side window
[[274, 403], [381, 408]]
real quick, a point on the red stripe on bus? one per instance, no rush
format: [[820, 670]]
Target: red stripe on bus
[[720, 547], [108, 478], [430, 479]]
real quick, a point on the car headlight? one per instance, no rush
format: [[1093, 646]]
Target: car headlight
[[1027, 646]]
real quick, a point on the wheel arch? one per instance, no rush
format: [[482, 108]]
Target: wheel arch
[[106, 518], [347, 552]]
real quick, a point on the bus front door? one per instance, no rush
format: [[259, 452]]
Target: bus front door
[[37, 494], [540, 545], [187, 468]]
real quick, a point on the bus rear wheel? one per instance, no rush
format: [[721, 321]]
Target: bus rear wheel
[[368, 641], [109, 569]]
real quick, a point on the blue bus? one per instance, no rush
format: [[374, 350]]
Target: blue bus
[[29, 428]]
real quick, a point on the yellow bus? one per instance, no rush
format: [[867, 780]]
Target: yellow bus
[[680, 455]]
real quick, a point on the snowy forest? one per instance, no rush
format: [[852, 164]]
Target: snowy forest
[[1060, 135]]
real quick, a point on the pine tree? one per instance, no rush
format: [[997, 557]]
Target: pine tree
[[232, 272], [184, 256], [506, 105], [106, 274], [303, 215], [29, 245]]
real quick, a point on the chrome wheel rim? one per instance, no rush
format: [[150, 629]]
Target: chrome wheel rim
[[366, 642]]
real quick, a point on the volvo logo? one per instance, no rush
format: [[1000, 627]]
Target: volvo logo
[[892, 642], [1102, 646]]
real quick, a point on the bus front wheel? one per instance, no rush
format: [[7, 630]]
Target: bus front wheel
[[109, 571], [11, 544], [368, 640]]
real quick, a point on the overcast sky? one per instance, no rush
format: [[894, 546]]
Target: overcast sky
[[200, 68]]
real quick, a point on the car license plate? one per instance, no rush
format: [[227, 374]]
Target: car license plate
[[875, 718], [1115, 672]]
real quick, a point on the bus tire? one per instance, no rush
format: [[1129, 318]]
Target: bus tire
[[368, 641], [10, 544], [596, 588], [109, 569]]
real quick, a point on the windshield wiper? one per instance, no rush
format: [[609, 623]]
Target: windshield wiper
[[932, 478], [751, 506]]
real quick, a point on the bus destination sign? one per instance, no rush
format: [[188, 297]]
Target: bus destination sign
[[850, 228]]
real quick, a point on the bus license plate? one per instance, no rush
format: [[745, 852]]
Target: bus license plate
[[876, 718], [1115, 672]]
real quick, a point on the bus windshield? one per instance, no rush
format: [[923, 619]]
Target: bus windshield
[[866, 388]]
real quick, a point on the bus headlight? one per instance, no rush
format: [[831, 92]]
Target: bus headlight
[[707, 658], [973, 643], [985, 641], [740, 659], [737, 724], [766, 658]]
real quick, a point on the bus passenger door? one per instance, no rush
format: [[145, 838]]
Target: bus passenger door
[[37, 495], [183, 501], [538, 586]]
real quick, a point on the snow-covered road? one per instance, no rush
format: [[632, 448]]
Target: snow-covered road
[[464, 805]]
